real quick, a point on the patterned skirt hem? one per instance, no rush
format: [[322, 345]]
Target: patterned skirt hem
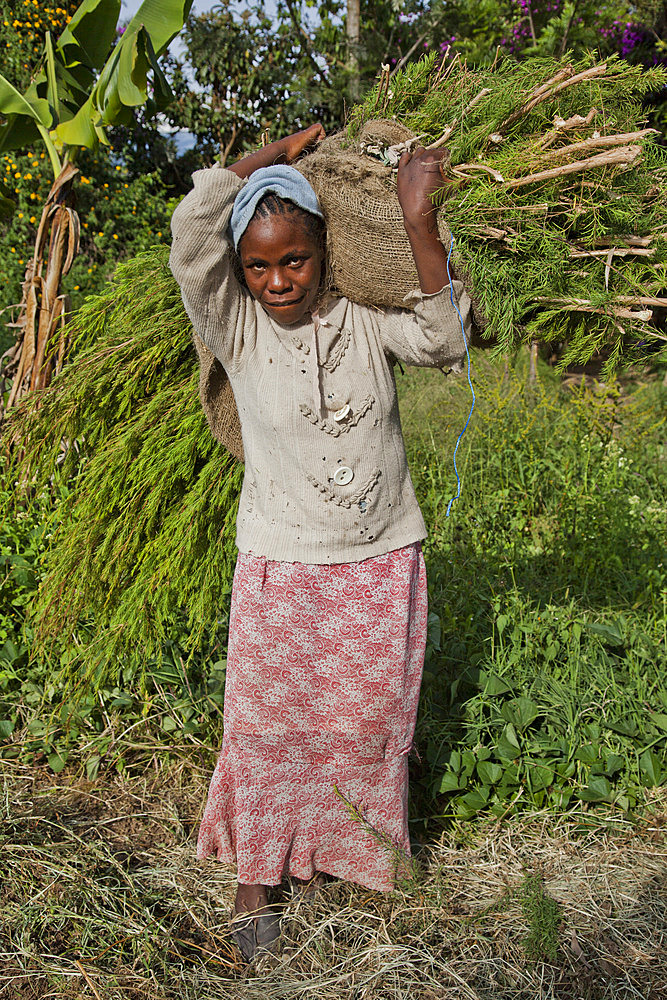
[[339, 871]]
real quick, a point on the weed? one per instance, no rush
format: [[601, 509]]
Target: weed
[[543, 916]]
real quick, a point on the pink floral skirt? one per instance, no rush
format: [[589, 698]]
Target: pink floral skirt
[[323, 674]]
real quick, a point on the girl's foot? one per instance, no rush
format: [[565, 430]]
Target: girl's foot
[[254, 924], [305, 890]]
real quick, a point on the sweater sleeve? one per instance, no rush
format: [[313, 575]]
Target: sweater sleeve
[[431, 336], [220, 310]]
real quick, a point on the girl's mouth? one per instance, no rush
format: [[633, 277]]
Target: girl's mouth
[[282, 305]]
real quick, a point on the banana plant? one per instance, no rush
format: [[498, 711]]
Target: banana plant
[[87, 83]]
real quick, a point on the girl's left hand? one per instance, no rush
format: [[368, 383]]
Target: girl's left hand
[[419, 175]]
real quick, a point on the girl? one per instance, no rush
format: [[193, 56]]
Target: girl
[[328, 614]]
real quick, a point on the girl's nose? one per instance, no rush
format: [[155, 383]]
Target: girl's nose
[[278, 280]]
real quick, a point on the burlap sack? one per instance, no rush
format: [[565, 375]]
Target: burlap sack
[[370, 259], [217, 400]]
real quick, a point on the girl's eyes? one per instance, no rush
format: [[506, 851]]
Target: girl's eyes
[[291, 262]]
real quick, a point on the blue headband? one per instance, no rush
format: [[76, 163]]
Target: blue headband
[[284, 181]]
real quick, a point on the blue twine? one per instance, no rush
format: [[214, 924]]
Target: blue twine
[[472, 405]]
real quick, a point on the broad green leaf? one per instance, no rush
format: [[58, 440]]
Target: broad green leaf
[[520, 712], [541, 774], [623, 726], [434, 630], [93, 30], [495, 685], [80, 130], [610, 632], [477, 798], [9, 651], [613, 764], [133, 68], [588, 754], [92, 767], [469, 762], [57, 761], [52, 91], [489, 773], [597, 790], [14, 103], [162, 19], [449, 782], [650, 769], [507, 746], [6, 728], [659, 719], [501, 623]]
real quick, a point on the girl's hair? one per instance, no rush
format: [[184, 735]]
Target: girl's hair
[[273, 204]]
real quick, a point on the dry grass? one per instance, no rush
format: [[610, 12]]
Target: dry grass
[[102, 898]]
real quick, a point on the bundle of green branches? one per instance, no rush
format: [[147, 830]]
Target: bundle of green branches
[[561, 214], [142, 542]]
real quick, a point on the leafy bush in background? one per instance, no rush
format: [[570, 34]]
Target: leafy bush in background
[[121, 215], [546, 675]]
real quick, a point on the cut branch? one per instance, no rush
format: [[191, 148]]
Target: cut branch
[[561, 125], [482, 94], [602, 140], [623, 156], [463, 169], [444, 137], [615, 252], [544, 93], [615, 308]]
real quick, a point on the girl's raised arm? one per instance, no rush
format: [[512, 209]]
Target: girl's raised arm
[[419, 175], [281, 151]]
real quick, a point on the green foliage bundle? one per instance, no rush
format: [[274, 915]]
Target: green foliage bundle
[[144, 537], [575, 258]]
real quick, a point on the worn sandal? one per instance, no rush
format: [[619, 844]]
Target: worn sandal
[[255, 933], [305, 892]]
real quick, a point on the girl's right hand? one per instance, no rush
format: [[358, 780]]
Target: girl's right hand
[[280, 151], [296, 144]]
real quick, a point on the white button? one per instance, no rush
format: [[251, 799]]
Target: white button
[[342, 413], [343, 476]]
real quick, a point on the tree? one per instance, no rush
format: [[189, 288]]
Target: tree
[[87, 80], [280, 69]]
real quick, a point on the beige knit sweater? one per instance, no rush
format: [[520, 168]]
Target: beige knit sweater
[[326, 478]]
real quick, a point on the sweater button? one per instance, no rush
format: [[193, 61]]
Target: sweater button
[[343, 476], [342, 414]]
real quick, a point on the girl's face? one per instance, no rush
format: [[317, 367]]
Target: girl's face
[[282, 264]]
